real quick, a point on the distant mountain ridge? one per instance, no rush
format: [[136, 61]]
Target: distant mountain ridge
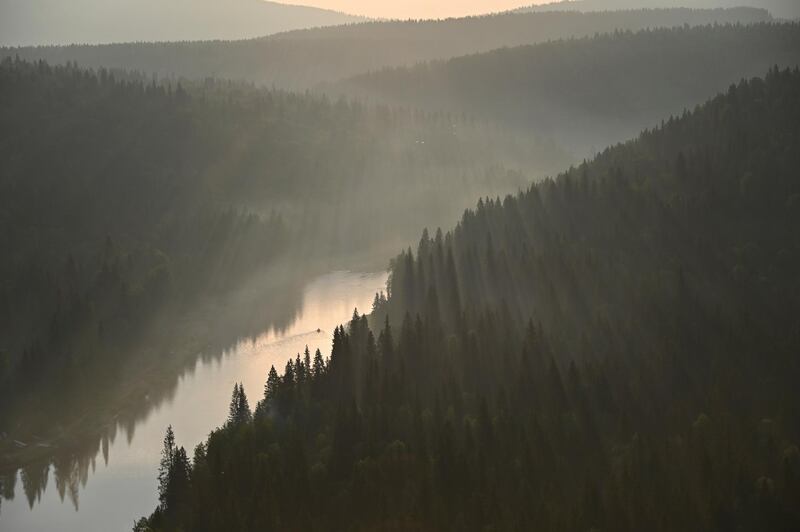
[[789, 9], [56, 22], [306, 58], [591, 92]]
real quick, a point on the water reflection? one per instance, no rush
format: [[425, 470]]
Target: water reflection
[[105, 481]]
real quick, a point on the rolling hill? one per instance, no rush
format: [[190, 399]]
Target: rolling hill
[[302, 59], [54, 22], [591, 92], [787, 9]]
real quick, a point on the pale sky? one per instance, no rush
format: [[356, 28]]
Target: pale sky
[[416, 8]]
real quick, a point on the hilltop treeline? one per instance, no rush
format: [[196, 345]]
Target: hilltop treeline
[[304, 58], [592, 92], [614, 349], [125, 201], [787, 9]]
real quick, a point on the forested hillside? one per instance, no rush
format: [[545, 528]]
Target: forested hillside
[[303, 59], [55, 22], [614, 349], [589, 93], [127, 203], [788, 9]]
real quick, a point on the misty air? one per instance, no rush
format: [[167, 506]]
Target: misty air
[[341, 265]]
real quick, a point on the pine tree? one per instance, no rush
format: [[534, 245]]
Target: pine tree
[[307, 363], [289, 374], [233, 409], [178, 483], [239, 410], [245, 415], [165, 467], [319, 365], [271, 387], [385, 341], [300, 370]]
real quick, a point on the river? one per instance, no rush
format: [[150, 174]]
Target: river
[[118, 481]]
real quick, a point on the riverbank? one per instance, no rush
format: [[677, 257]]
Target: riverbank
[[112, 467], [122, 385]]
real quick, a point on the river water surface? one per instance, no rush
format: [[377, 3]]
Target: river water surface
[[120, 485]]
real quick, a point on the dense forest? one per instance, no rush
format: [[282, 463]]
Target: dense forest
[[612, 349], [592, 92], [304, 58], [127, 203]]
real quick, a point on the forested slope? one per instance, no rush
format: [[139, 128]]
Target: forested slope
[[589, 93], [125, 203], [303, 59], [614, 349], [788, 9]]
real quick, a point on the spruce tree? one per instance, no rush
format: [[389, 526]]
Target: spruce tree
[[271, 387], [307, 362], [239, 409], [319, 365], [165, 467]]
